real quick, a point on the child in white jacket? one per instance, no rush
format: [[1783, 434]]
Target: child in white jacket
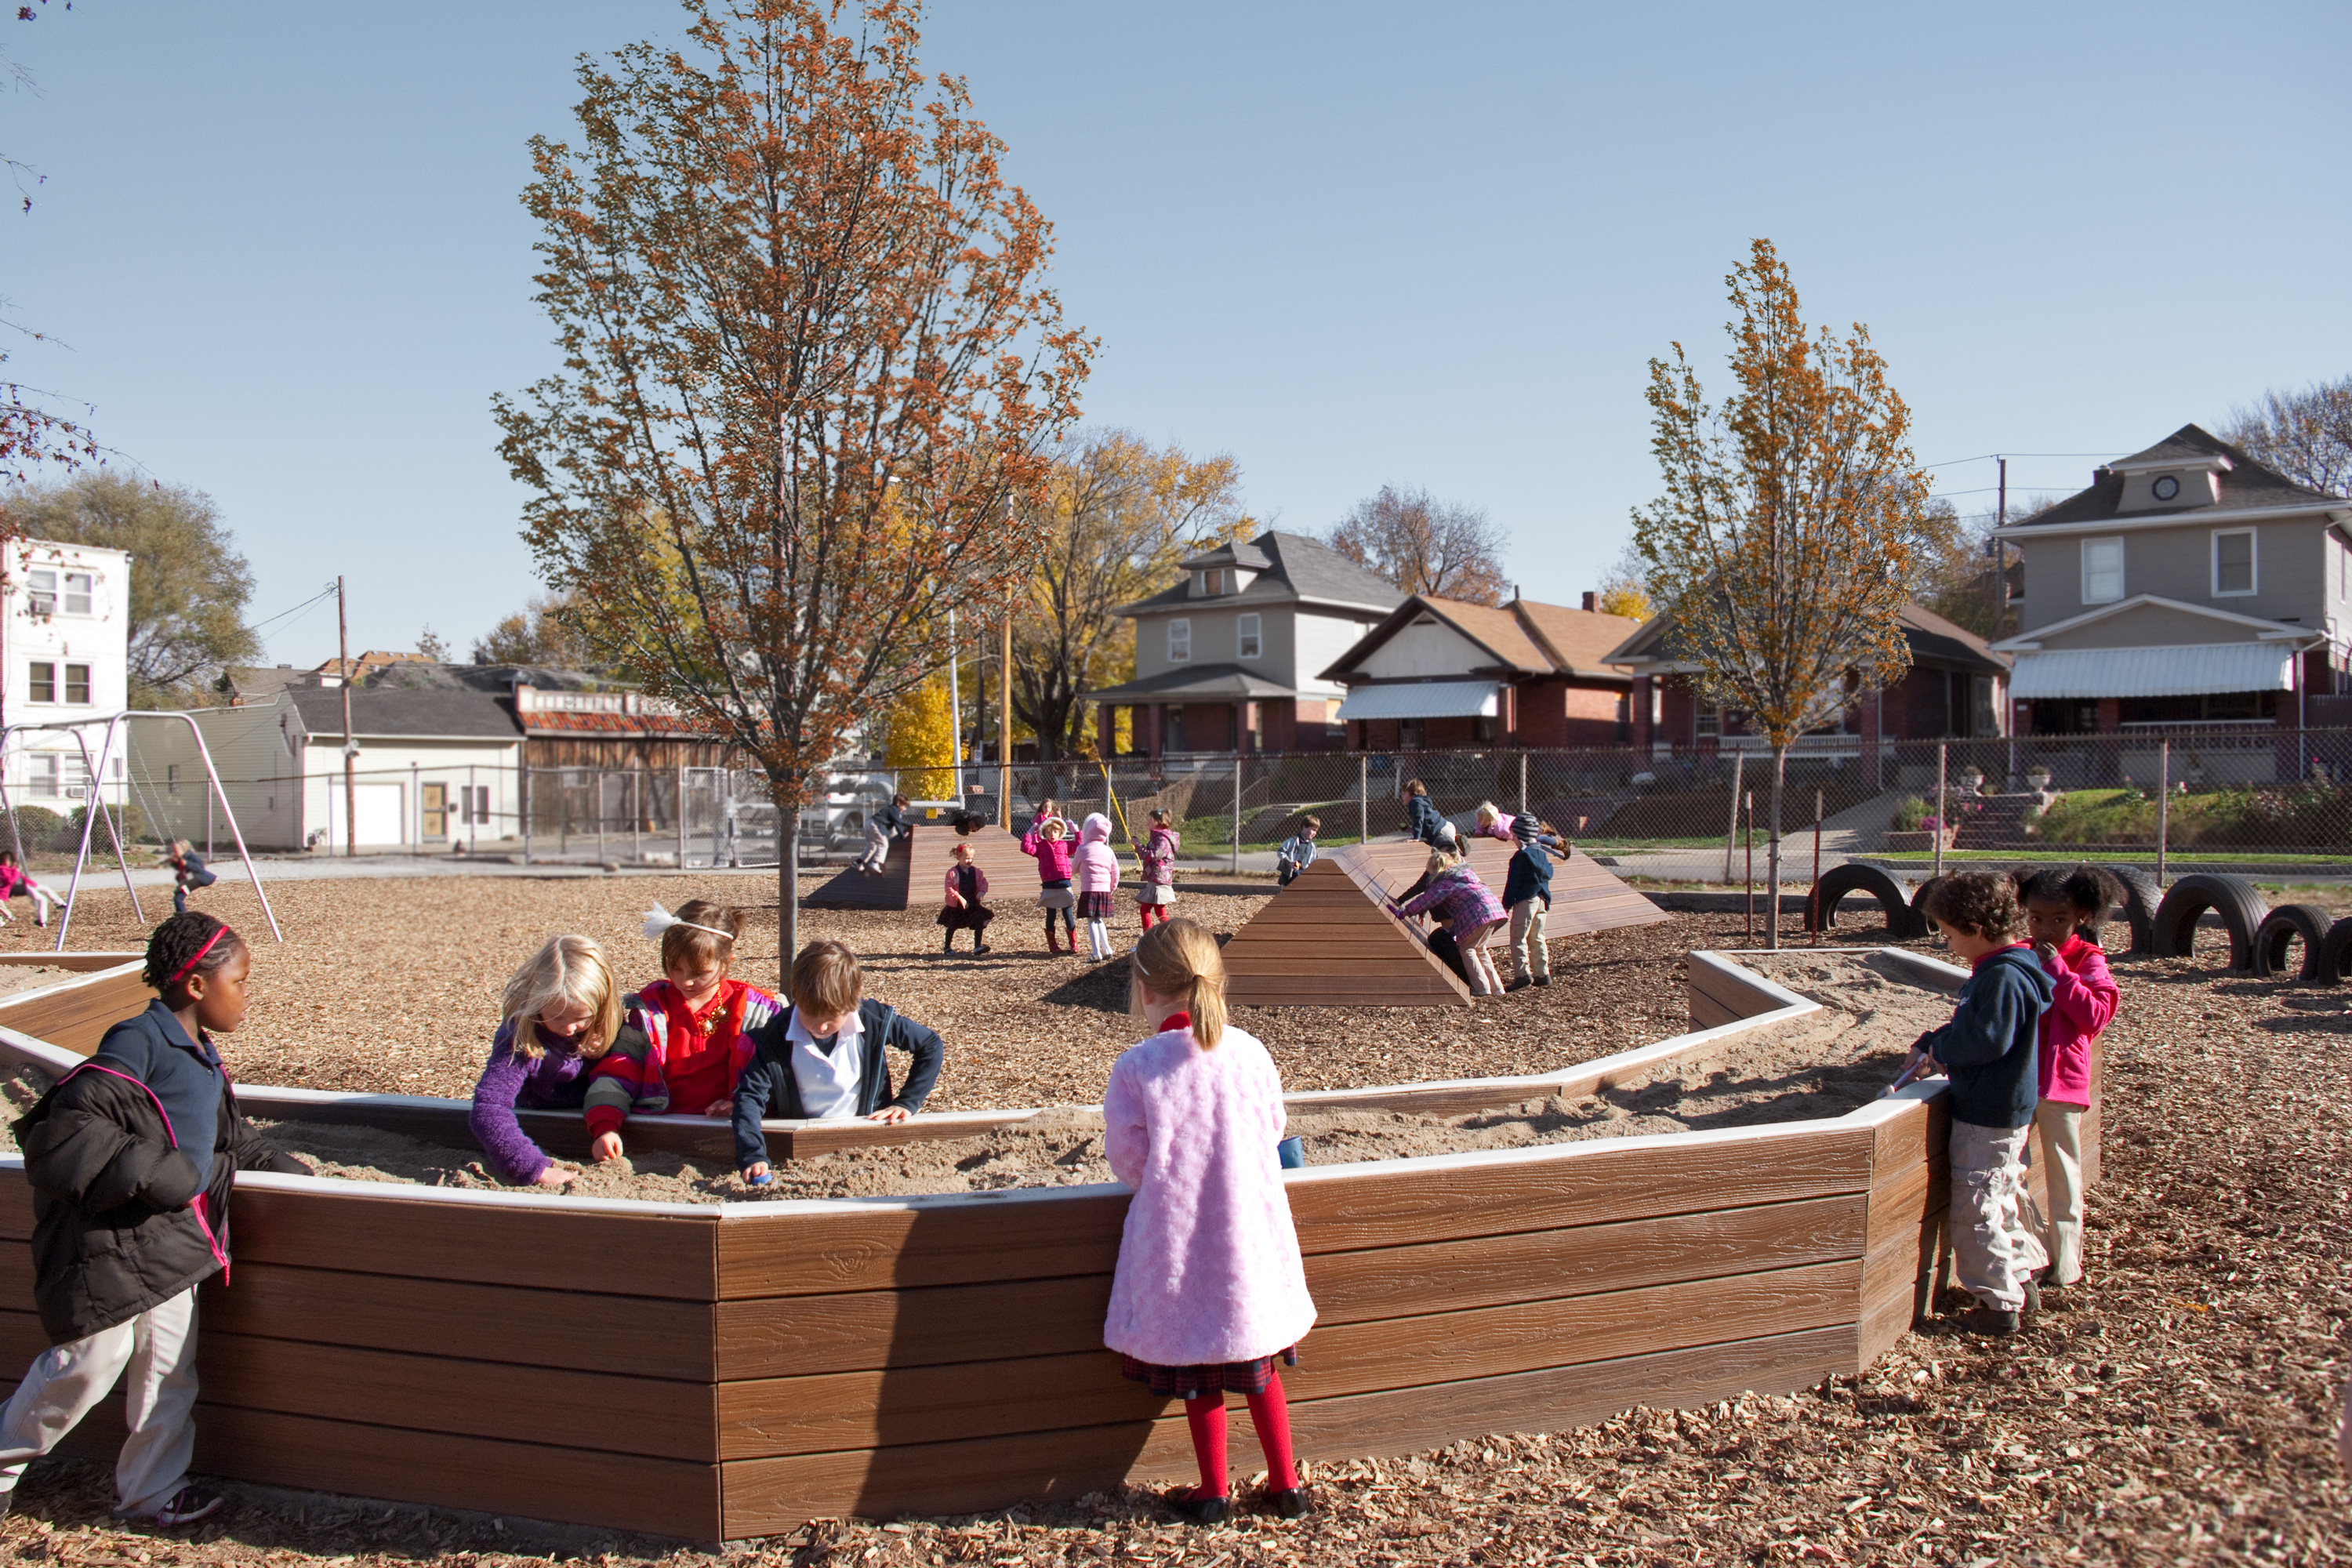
[[1095, 866]]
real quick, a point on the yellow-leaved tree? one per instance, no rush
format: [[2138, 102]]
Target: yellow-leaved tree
[[1783, 545], [921, 747]]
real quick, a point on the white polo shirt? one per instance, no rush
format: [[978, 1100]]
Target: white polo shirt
[[828, 1079]]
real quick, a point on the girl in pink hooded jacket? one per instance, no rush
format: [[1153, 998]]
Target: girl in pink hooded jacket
[[1210, 1292], [2058, 905], [1048, 841], [1097, 866]]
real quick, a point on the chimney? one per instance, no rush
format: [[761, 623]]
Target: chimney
[[2099, 474], [1591, 600]]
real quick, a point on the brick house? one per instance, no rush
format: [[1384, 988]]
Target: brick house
[[1438, 673], [1232, 659]]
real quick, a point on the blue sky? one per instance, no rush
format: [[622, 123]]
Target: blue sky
[[1349, 244]]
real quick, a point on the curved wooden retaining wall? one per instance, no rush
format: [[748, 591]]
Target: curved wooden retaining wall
[[722, 1372]]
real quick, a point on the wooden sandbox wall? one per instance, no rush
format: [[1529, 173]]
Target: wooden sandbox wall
[[724, 1372]]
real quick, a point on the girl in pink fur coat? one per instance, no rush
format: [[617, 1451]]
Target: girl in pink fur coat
[[2083, 998], [1096, 865], [1209, 1291]]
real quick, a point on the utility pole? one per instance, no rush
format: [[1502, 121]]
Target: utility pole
[[1004, 730], [351, 748], [955, 713], [2000, 557]]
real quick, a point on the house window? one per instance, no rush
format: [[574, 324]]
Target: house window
[[1708, 718], [41, 592], [1410, 732], [2233, 562], [1180, 641], [1249, 642], [2103, 570], [77, 684], [44, 682], [45, 775], [78, 592]]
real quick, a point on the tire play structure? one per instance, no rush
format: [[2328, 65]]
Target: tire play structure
[[2334, 963], [2278, 933], [2239, 903], [1903, 922], [1328, 940], [2136, 904]]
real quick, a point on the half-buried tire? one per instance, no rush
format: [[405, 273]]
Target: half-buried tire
[[2275, 937], [2235, 899], [2137, 897], [1920, 924], [2335, 965], [1871, 883]]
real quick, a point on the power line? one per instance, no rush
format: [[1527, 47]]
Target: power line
[[303, 606], [1988, 457]]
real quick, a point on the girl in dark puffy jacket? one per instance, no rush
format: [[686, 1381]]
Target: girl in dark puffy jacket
[[131, 1159]]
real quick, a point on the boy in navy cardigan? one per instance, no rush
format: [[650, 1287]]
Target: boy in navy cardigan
[[823, 1057], [1527, 894], [1987, 1050]]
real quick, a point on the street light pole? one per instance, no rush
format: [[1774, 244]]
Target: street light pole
[[350, 747]]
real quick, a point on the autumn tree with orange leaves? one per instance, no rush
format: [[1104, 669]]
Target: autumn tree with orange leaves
[[810, 367], [1783, 545]]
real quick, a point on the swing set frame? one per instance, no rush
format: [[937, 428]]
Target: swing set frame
[[94, 805]]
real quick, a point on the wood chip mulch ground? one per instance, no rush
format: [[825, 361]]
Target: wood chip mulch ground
[[2180, 1409]]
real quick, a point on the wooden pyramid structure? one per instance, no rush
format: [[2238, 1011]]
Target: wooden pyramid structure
[[1328, 940], [916, 873]]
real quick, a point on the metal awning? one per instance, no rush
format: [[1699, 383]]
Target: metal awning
[[1423, 700], [2193, 672]]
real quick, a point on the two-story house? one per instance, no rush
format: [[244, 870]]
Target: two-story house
[[1232, 659], [1438, 673], [66, 609], [2187, 585]]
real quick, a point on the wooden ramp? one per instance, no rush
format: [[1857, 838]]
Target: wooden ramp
[[917, 868], [1326, 941]]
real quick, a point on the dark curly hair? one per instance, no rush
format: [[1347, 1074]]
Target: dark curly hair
[[1976, 901], [179, 940], [2081, 890]]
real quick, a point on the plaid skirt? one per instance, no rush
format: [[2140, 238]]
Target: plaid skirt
[[1093, 906], [1193, 1382]]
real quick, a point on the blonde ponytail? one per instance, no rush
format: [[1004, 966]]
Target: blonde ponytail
[[1180, 958]]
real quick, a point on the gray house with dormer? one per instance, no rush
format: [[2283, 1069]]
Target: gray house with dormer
[[2188, 584], [1231, 659]]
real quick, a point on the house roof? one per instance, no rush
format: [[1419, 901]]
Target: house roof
[[1296, 570], [1195, 683], [2227, 625], [462, 714], [1524, 638], [2246, 484], [1930, 636]]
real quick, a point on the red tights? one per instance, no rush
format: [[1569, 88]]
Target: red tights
[[1269, 1413], [1154, 912]]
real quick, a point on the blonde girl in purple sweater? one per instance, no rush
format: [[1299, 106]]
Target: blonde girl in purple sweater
[[1210, 1293]]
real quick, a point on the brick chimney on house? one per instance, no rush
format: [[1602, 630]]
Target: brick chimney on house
[[1591, 600]]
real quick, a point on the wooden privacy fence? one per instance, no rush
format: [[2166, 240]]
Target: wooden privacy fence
[[718, 1372]]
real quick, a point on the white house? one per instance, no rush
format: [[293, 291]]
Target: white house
[[65, 617], [435, 768]]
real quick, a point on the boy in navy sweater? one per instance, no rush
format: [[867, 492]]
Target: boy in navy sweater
[[1527, 894], [1987, 1050]]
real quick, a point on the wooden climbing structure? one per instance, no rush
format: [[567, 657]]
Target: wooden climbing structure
[[1328, 940], [918, 868]]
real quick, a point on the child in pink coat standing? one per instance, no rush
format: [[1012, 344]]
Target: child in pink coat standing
[[1048, 842], [1209, 1291], [1096, 865], [2083, 999]]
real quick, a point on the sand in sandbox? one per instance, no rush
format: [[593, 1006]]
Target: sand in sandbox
[[1820, 1066]]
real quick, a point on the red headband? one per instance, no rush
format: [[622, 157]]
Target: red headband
[[208, 946]]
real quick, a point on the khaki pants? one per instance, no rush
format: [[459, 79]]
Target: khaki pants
[[1530, 960], [154, 1356], [1994, 1249], [2061, 1127]]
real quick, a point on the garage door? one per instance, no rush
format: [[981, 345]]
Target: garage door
[[380, 818]]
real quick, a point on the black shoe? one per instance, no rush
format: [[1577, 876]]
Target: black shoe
[[1289, 1503], [980, 947], [1188, 1503], [188, 1505], [1989, 1321], [1543, 979], [1518, 985]]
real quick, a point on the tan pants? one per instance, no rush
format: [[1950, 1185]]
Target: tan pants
[[1530, 960], [2061, 1129], [1994, 1249], [154, 1356]]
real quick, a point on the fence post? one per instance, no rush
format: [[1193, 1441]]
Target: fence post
[[1364, 798], [1751, 867], [1943, 807], [1523, 783], [1237, 812], [1731, 832], [678, 810], [415, 813], [523, 805], [2163, 805], [473, 818], [636, 813]]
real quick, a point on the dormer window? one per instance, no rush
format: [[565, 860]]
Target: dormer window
[[1211, 583]]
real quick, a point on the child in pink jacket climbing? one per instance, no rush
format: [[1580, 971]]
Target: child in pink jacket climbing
[[2083, 1000], [1209, 1291], [1096, 865]]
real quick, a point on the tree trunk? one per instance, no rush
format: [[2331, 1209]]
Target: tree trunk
[[788, 881], [1772, 854]]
